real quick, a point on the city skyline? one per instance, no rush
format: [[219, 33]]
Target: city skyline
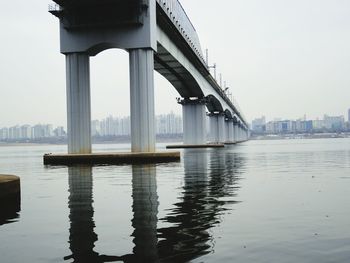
[[291, 67], [302, 125], [346, 116], [170, 123]]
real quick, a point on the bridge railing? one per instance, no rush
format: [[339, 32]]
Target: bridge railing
[[54, 7], [179, 18]]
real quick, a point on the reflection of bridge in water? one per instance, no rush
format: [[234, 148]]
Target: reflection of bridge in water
[[207, 194]]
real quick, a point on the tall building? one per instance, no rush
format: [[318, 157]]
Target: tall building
[[168, 124], [349, 115], [334, 123], [259, 124], [14, 132], [4, 133], [59, 132], [95, 128], [26, 132]]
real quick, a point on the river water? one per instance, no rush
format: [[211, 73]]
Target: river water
[[259, 201]]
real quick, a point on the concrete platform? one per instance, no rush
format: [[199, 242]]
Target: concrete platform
[[111, 158], [10, 185], [10, 198], [192, 146], [231, 143]]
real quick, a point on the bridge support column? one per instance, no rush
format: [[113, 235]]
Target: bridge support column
[[78, 103], [229, 131], [217, 127], [240, 133], [194, 121], [142, 113], [231, 137], [236, 132], [227, 135]]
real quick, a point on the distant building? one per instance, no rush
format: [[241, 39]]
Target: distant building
[[318, 125], [169, 124], [95, 128], [4, 134], [349, 115], [15, 132], [334, 123], [272, 127], [259, 125], [26, 132], [116, 126], [59, 132]]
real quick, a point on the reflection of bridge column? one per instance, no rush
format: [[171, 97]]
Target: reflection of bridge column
[[188, 237], [142, 100], [194, 121], [82, 236], [229, 131], [224, 167], [81, 233], [217, 127], [145, 208], [78, 103]]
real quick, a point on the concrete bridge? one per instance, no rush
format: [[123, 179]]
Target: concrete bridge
[[158, 36]]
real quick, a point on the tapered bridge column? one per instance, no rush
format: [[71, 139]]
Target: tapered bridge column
[[194, 121], [217, 127], [142, 113], [236, 131], [239, 133], [78, 103], [229, 131]]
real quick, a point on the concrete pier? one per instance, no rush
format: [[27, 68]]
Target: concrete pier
[[229, 132], [142, 114], [236, 132], [217, 127], [10, 186], [194, 121], [10, 198], [111, 158], [78, 103]]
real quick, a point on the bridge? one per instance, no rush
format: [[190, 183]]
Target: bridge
[[158, 36]]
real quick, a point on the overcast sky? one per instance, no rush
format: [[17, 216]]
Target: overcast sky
[[281, 58]]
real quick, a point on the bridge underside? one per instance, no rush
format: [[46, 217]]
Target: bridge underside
[[169, 67]]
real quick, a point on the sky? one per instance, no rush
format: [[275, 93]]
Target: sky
[[280, 58]]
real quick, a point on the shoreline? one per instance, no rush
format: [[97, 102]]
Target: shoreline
[[255, 138]]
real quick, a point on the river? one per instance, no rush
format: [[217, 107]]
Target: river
[[259, 201]]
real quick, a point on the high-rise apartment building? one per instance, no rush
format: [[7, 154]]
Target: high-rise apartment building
[[259, 124]]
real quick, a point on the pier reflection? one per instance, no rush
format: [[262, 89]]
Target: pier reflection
[[82, 236], [210, 184], [201, 206], [145, 209]]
